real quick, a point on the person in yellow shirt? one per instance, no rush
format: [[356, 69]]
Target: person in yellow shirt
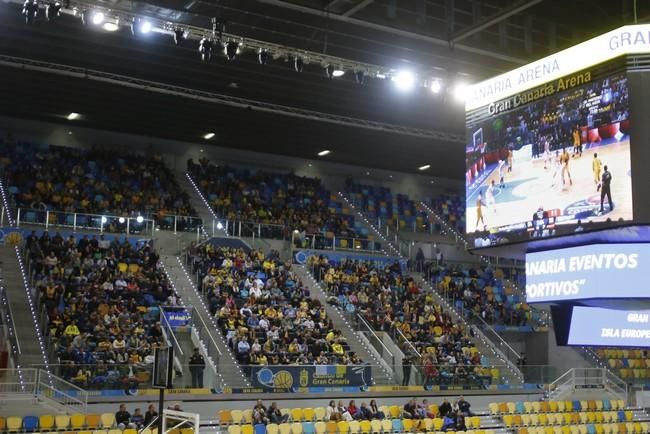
[[564, 160], [577, 143], [72, 329], [294, 347], [596, 167], [337, 348]]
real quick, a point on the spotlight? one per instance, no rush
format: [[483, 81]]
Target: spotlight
[[205, 48], [231, 49], [111, 24], [30, 9], [404, 80], [263, 56], [140, 27], [219, 225], [360, 76], [329, 71], [104, 219], [460, 92], [139, 219], [52, 11], [435, 86], [96, 17], [121, 220], [298, 64], [180, 36]]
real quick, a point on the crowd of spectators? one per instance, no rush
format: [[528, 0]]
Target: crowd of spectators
[[393, 303], [264, 310], [92, 181], [483, 292], [451, 208], [295, 202], [102, 301]]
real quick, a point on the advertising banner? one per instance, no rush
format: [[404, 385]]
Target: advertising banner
[[587, 272], [609, 327], [177, 318], [291, 378]]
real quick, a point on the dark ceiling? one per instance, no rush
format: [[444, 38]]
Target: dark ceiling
[[382, 32]]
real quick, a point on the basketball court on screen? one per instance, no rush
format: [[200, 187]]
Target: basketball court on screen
[[530, 186]]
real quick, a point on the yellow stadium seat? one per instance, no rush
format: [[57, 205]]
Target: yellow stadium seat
[[320, 427], [645, 427], [355, 427], [511, 407], [272, 428], [365, 427], [135, 431], [554, 406], [284, 428], [62, 421], [114, 431], [503, 408], [234, 429], [247, 416], [517, 420], [234, 416], [183, 431], [331, 427], [78, 421], [375, 425], [525, 419], [14, 423], [534, 419], [92, 421], [622, 428], [583, 416], [629, 427], [308, 414], [386, 425], [296, 414], [407, 424], [385, 409], [536, 406], [247, 429], [225, 417], [108, 420], [528, 406], [319, 413], [99, 431], [494, 408], [437, 424], [629, 415], [508, 420], [343, 427], [296, 428], [395, 411], [46, 422], [620, 404]]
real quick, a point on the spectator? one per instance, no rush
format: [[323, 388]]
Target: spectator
[[137, 418], [364, 412], [150, 415], [343, 411], [410, 409], [353, 409], [448, 423], [406, 370], [275, 416], [332, 412], [445, 407], [123, 418], [260, 413], [375, 411], [464, 406], [197, 365]]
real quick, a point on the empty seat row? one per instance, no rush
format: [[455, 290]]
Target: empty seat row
[[61, 422], [555, 406], [354, 427], [604, 428], [572, 418]]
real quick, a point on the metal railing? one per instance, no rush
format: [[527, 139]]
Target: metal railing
[[9, 325], [375, 340], [64, 393], [588, 378]]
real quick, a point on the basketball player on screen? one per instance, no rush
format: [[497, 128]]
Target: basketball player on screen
[[577, 143], [605, 190], [564, 159], [479, 211], [509, 160], [502, 174], [489, 196], [596, 167], [547, 154], [556, 165]]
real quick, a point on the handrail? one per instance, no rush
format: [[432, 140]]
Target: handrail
[[5, 301], [78, 391], [149, 425], [365, 323], [171, 331], [408, 343], [501, 340], [205, 327]]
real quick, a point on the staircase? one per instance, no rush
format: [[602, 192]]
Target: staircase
[[25, 318], [211, 226], [381, 370], [204, 323], [509, 371]]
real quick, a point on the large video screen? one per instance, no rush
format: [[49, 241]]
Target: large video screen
[[532, 166], [596, 326], [588, 272]]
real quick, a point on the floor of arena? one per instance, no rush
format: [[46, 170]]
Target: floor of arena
[[530, 186]]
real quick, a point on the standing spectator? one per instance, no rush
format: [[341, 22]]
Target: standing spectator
[[197, 365], [406, 370], [464, 406], [419, 260]]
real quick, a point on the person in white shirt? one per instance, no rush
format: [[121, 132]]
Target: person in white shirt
[[264, 323], [120, 284]]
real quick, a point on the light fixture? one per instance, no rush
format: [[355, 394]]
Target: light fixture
[[208, 136], [180, 36], [380, 75], [139, 219], [263, 56], [52, 11], [104, 219], [30, 9], [404, 80], [425, 167], [219, 225], [205, 48], [111, 24], [338, 72], [460, 92], [121, 220], [231, 49], [140, 27], [435, 86], [332, 71], [324, 152], [298, 64], [73, 116], [98, 18]]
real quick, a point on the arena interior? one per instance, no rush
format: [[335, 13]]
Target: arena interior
[[324, 217]]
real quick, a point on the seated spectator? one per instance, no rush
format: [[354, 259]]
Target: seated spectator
[[423, 410], [411, 410], [460, 422], [448, 423], [137, 418], [123, 418], [260, 413], [445, 407], [343, 411], [375, 411], [332, 412], [353, 409], [150, 415], [364, 412], [464, 406], [275, 416]]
